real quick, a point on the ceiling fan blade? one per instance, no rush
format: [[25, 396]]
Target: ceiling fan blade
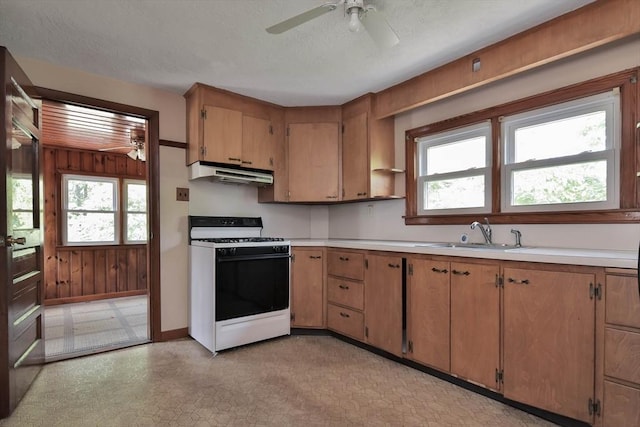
[[379, 29], [302, 18]]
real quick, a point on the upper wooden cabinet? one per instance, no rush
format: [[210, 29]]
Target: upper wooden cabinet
[[368, 159], [313, 141], [227, 128]]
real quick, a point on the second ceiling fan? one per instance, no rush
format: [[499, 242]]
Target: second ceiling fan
[[360, 13]]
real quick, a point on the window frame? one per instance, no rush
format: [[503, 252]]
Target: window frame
[[460, 134], [120, 215], [629, 89], [608, 101]]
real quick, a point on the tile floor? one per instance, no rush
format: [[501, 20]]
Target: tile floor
[[290, 381], [86, 327]]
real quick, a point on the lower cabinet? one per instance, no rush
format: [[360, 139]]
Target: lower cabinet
[[428, 312], [383, 302], [621, 394], [308, 299], [345, 293], [549, 340], [475, 323]]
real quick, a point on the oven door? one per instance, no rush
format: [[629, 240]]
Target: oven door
[[251, 280]]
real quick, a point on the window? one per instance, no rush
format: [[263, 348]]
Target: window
[[135, 220], [455, 170], [91, 213], [563, 157]]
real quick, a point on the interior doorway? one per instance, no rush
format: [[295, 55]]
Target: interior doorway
[[101, 275]]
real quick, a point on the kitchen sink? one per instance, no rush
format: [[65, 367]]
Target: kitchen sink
[[475, 246]]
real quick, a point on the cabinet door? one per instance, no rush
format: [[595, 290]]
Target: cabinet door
[[307, 289], [549, 340], [257, 143], [428, 312], [355, 158], [222, 135], [475, 323], [313, 162], [383, 303]]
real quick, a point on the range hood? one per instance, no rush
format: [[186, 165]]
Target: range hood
[[204, 170]]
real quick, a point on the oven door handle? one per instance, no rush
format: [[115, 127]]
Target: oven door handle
[[234, 258]]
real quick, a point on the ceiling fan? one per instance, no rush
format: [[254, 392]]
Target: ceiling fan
[[137, 145], [361, 14]]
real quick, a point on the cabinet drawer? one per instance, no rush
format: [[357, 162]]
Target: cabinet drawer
[[345, 292], [345, 321], [621, 355], [621, 405], [622, 301], [346, 264]]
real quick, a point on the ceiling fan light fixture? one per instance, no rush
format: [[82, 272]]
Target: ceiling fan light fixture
[[354, 19], [133, 154]]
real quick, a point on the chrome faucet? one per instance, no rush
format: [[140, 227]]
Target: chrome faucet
[[518, 235], [486, 231]]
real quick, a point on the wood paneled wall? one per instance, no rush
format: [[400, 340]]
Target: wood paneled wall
[[82, 273]]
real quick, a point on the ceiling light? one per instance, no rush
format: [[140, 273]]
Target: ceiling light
[[354, 19], [141, 154], [133, 154]]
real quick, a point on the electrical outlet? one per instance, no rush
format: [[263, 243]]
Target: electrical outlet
[[182, 194]]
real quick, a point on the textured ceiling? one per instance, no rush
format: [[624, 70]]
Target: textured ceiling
[[170, 44]]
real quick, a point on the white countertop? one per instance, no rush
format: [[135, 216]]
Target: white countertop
[[591, 257]]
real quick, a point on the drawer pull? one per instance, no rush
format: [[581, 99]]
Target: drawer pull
[[345, 287], [234, 159], [518, 282], [394, 265], [315, 257], [344, 258], [344, 314], [362, 194], [245, 162], [460, 273], [438, 270], [332, 197]]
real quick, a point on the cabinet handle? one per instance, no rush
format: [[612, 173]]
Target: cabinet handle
[[518, 282], [394, 265], [332, 197], [244, 162], [234, 159], [315, 257], [345, 287], [460, 273], [344, 314], [362, 194], [344, 258], [438, 270]]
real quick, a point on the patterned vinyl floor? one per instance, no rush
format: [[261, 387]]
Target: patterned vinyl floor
[[289, 381], [86, 327]]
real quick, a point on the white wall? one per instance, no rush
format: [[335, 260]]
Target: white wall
[[383, 219]]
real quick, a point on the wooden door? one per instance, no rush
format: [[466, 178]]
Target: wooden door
[[21, 298], [383, 303], [258, 143], [355, 158], [307, 289], [475, 323], [222, 135], [313, 162], [428, 312], [549, 340]]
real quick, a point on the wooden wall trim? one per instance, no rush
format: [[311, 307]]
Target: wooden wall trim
[[174, 334], [58, 301], [594, 25], [175, 144]]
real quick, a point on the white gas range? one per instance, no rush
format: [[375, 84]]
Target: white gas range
[[238, 282]]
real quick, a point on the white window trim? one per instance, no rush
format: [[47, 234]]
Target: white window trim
[[608, 101], [115, 182], [125, 216], [447, 137]]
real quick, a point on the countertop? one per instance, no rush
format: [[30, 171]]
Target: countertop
[[590, 257]]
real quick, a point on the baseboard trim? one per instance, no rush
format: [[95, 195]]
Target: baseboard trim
[[174, 334]]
